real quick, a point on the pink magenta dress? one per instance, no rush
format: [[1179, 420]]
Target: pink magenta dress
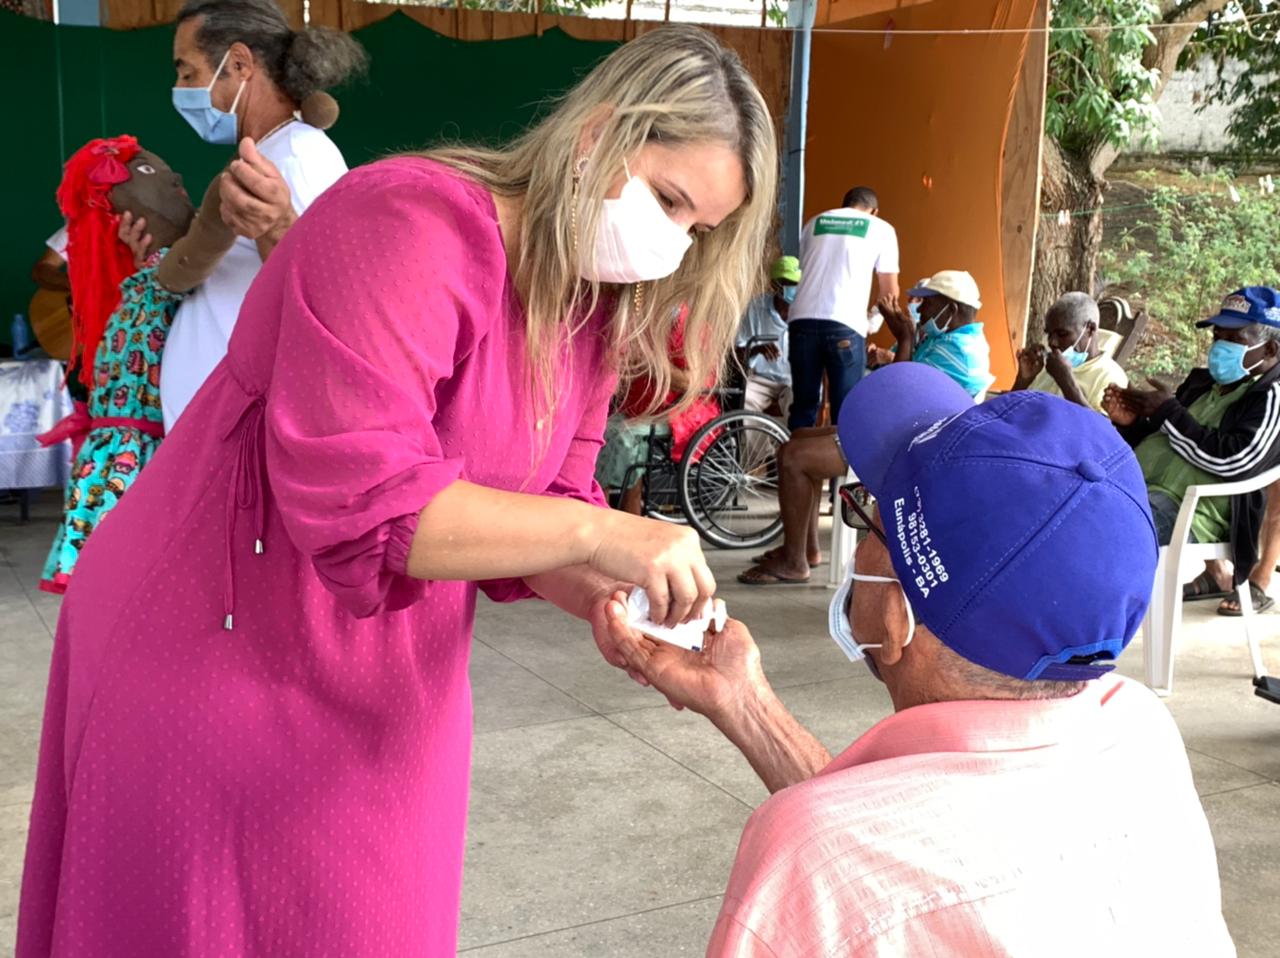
[[297, 786]]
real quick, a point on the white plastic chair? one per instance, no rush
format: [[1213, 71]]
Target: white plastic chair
[[1181, 561], [843, 542]]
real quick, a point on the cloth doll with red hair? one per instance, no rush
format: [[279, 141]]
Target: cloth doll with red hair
[[121, 315]]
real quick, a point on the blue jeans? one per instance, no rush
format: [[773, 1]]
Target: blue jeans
[[818, 345], [1164, 513]]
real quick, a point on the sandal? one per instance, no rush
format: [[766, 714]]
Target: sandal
[[1230, 606], [1202, 587], [759, 575], [769, 555]]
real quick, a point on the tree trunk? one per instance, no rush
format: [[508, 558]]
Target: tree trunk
[[1066, 254]]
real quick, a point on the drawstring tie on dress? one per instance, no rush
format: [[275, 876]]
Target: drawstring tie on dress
[[247, 491]]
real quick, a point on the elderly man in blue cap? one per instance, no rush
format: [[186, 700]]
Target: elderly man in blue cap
[[1023, 799], [1220, 425]]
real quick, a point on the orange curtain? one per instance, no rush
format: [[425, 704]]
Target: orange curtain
[[925, 121]]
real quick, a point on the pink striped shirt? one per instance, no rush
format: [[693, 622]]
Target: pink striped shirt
[[983, 828]]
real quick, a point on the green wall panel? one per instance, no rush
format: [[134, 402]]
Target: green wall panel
[[77, 83]]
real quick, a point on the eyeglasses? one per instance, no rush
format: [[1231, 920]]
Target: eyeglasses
[[855, 504]]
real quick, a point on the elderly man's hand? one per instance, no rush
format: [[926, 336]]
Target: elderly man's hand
[[1030, 362], [1114, 406], [603, 634], [1057, 366], [256, 201], [1145, 403], [711, 682], [898, 320], [878, 355]]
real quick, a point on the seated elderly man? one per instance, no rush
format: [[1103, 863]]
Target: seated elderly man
[[1221, 424], [1023, 799], [761, 345], [941, 330], [1073, 366]]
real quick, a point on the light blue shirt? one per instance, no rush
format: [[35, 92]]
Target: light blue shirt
[[963, 354], [763, 320]]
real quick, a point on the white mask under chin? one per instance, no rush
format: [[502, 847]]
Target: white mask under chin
[[636, 241]]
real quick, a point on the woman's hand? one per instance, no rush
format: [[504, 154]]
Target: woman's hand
[[133, 233], [665, 559]]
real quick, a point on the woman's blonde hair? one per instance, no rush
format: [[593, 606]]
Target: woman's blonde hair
[[675, 85]]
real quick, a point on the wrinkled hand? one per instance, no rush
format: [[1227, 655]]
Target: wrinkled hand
[[1146, 402], [1117, 410], [603, 635], [133, 233], [1030, 362], [899, 320], [256, 202], [711, 682], [665, 559], [878, 355], [769, 351], [1056, 364]]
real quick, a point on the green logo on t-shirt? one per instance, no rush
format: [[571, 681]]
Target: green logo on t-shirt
[[842, 226]]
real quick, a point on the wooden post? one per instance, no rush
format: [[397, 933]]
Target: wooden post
[[764, 13], [666, 12]]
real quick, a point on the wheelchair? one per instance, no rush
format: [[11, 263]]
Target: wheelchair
[[726, 484]]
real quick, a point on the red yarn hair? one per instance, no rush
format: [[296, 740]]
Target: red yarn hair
[[97, 261]]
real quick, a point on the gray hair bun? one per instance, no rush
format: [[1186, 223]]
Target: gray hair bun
[[320, 110]]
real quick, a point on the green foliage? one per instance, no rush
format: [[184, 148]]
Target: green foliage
[[1193, 245], [1098, 90], [1255, 125]]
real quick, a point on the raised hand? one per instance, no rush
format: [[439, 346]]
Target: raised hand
[[256, 201]]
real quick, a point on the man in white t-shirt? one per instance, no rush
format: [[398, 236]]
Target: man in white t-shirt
[[243, 80], [839, 251]]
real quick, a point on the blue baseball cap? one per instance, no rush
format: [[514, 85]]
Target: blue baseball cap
[[1019, 528], [1244, 307]]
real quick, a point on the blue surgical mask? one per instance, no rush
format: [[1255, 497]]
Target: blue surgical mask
[[1075, 355], [914, 310], [932, 329], [842, 630], [789, 294], [196, 107], [1226, 361]]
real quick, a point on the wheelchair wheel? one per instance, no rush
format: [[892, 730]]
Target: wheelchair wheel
[[729, 480]]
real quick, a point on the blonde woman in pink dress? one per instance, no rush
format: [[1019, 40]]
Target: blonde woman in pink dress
[[258, 729]]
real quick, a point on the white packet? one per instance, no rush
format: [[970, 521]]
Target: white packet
[[686, 635]]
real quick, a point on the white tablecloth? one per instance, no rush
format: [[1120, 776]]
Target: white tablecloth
[[32, 400]]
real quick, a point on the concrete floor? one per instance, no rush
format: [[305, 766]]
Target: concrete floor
[[604, 823]]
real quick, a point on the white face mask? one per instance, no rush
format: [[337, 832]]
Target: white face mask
[[636, 241], [838, 617]]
